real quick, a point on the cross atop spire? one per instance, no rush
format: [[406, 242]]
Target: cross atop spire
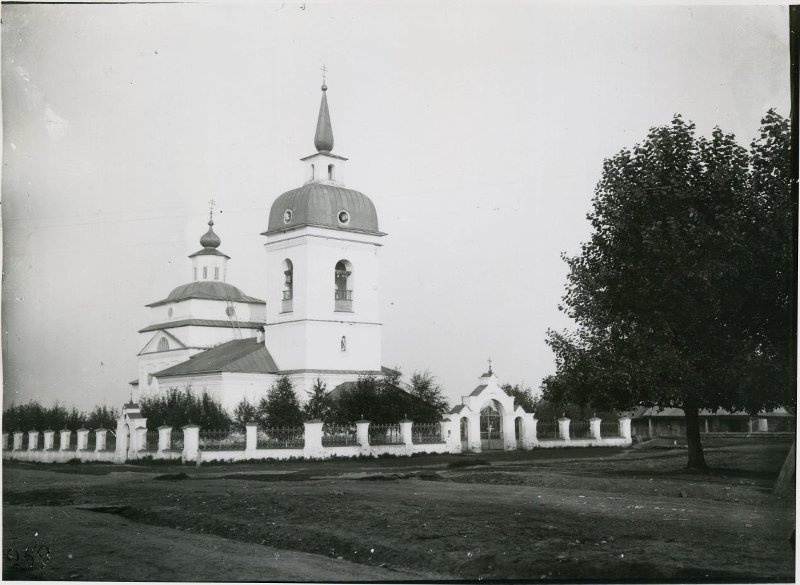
[[490, 365], [211, 204], [324, 73]]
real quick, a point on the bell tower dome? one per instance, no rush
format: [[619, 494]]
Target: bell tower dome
[[322, 271]]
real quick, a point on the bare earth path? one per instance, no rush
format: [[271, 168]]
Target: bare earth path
[[571, 514]]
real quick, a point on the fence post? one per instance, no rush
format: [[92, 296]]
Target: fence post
[[17, 441], [594, 427], [251, 429], [763, 425], [362, 432], [164, 435], [141, 439], [529, 423], [312, 447], [100, 442], [563, 428], [405, 432], [83, 439], [33, 440], [191, 443], [5, 441], [625, 429], [48, 439], [66, 435]]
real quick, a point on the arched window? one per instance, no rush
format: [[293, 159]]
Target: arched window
[[330, 172], [163, 344], [312, 172], [343, 286], [205, 272], [216, 273], [288, 286]]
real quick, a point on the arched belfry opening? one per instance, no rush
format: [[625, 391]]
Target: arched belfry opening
[[331, 175], [343, 286], [288, 286]]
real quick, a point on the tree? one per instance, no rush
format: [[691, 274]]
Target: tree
[[319, 404], [523, 396], [425, 387], [177, 408], [244, 413], [280, 408], [683, 294]]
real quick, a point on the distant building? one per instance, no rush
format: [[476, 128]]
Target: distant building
[[321, 316], [648, 422]]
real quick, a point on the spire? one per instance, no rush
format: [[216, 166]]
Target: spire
[[323, 139]]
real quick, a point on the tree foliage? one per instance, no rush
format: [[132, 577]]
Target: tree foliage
[[244, 413], [425, 387], [177, 408], [523, 396], [280, 407], [380, 400], [32, 416], [319, 404], [683, 295]]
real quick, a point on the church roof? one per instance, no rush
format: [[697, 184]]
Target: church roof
[[202, 323], [323, 138], [214, 290], [478, 389], [318, 204], [247, 356]]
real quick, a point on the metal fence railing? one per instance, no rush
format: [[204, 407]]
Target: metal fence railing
[[25, 441], [422, 433], [151, 441], [217, 440], [338, 435], [609, 429], [580, 429], [281, 438], [91, 443], [56, 441], [73, 441], [111, 441], [176, 440], [385, 435], [547, 431]]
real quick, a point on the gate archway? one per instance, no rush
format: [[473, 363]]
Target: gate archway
[[492, 427]]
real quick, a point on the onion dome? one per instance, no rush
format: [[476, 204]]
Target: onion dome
[[321, 205], [323, 138], [210, 239]]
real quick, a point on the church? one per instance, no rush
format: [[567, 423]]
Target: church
[[320, 316]]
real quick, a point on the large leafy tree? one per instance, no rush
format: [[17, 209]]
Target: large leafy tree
[[683, 295]]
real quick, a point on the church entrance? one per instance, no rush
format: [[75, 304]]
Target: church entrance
[[491, 428]]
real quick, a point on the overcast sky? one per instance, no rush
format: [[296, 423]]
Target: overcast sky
[[478, 129]]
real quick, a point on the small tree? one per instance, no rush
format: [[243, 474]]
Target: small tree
[[319, 404], [244, 413], [280, 408]]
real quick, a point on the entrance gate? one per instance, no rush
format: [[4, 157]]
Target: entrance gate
[[491, 429]]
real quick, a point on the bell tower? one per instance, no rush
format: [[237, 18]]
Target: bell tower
[[322, 249]]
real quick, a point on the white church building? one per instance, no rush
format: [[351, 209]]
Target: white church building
[[321, 313]]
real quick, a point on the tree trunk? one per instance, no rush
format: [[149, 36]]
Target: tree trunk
[[784, 482], [696, 459]]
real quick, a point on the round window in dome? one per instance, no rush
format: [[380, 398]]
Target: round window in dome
[[287, 216], [344, 217]]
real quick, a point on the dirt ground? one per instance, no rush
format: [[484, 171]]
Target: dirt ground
[[566, 514]]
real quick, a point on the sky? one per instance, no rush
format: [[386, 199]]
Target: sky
[[478, 129]]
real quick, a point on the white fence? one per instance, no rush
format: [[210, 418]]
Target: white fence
[[313, 441]]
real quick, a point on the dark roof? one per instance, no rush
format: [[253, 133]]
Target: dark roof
[[209, 252], [478, 390], [456, 409], [248, 356], [323, 138], [670, 412], [207, 289], [202, 323], [317, 204]]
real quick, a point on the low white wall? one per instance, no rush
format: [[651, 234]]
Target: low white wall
[[277, 454], [430, 448], [560, 443], [51, 456]]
